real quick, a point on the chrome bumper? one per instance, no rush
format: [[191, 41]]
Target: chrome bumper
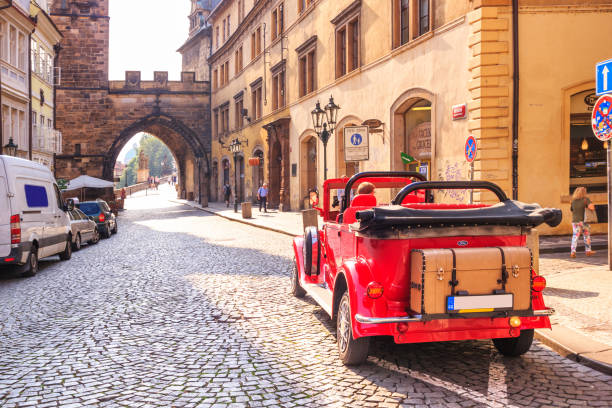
[[419, 318]]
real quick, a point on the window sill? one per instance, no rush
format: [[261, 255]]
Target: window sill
[[413, 43]]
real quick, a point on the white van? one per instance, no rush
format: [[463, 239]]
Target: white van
[[34, 222]]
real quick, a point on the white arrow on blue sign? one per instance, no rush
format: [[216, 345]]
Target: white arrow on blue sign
[[603, 77]]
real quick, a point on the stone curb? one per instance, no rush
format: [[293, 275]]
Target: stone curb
[[565, 248], [252, 224], [543, 336], [561, 345]]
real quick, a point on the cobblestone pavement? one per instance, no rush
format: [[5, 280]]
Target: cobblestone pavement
[[580, 290], [182, 308]]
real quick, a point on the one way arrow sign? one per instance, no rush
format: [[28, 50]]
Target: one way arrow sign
[[603, 77]]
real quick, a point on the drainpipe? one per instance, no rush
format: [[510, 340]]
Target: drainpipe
[[8, 5], [515, 98], [30, 90]]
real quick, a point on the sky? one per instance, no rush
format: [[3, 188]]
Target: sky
[[144, 36]]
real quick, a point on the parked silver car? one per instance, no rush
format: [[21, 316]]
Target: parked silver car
[[83, 229]]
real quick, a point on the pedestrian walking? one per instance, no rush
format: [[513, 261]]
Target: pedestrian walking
[[227, 192], [581, 206], [262, 196], [123, 193]]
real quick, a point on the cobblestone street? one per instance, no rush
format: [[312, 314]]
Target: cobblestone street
[[183, 308]]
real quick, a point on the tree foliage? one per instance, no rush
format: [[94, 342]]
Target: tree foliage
[[161, 161]]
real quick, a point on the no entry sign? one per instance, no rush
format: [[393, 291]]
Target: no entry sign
[[470, 149], [602, 118]]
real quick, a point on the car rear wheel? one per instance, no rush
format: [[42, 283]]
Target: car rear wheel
[[515, 346], [106, 231], [352, 351], [296, 288], [77, 243], [31, 267], [96, 237], [66, 254], [114, 231]]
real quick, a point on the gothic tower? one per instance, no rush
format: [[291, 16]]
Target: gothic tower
[[196, 49]]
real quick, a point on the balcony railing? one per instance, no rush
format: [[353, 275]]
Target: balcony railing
[[46, 140]]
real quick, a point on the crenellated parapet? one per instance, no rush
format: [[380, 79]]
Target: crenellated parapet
[[160, 84]]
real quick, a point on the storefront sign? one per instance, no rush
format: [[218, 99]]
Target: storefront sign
[[602, 118], [372, 123], [460, 111], [420, 141], [356, 143]]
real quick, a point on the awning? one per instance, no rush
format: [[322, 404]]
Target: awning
[[88, 182]]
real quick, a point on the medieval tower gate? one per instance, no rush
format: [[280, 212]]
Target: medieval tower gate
[[97, 117]]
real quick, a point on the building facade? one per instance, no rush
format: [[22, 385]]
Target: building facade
[[430, 73], [46, 140], [15, 28]]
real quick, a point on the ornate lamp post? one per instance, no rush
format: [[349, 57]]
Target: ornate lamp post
[[236, 147], [323, 129], [11, 148]]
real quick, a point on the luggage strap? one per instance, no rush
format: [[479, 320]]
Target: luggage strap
[[453, 282], [504, 271]]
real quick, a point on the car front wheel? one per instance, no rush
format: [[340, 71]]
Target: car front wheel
[[352, 351], [296, 288], [515, 346]]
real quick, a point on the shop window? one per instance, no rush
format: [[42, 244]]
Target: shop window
[[347, 40], [587, 153], [417, 136]]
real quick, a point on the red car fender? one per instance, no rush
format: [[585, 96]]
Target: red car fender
[[298, 247], [357, 275]]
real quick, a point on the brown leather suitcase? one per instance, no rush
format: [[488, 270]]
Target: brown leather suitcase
[[478, 272]]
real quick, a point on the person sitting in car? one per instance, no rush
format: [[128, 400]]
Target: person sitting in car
[[366, 188]]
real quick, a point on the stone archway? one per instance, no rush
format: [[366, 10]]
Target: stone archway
[[308, 167]]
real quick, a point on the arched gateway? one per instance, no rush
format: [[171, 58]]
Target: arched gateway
[[98, 117]]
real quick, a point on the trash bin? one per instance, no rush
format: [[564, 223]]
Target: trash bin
[[246, 210]]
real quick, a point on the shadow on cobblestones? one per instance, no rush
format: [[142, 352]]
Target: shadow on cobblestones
[[569, 293]]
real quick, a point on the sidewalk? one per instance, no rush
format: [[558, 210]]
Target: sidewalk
[[580, 290], [561, 243]]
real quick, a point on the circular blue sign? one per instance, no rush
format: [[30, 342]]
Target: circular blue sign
[[356, 139], [602, 118], [470, 149]]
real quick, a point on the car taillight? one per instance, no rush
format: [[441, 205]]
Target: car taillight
[[15, 229], [539, 283], [101, 217], [374, 290]]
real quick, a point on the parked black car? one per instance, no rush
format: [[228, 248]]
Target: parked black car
[[100, 212]]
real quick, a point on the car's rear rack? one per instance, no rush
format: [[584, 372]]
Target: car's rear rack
[[424, 318]]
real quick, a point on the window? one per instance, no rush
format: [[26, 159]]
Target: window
[[23, 55], [240, 11], [347, 40], [228, 26], [223, 30], [256, 99], [258, 40], [278, 85], [36, 196], [225, 118], [226, 79], [222, 75], [256, 43], [411, 19], [303, 5], [13, 46], [215, 122], [215, 79], [277, 21], [34, 55], [253, 55], [239, 106], [307, 66], [238, 61], [217, 36]]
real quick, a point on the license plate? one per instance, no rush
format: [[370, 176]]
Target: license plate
[[479, 303]]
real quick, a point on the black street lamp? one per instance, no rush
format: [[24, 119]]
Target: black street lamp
[[11, 148], [323, 129], [236, 147]]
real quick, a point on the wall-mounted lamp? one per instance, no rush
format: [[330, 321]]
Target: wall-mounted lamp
[[584, 145]]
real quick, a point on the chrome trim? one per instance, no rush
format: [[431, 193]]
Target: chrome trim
[[546, 312], [381, 320]]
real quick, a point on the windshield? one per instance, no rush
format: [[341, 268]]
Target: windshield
[[89, 208]]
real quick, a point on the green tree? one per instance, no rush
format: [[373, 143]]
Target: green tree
[[129, 174], [158, 153]]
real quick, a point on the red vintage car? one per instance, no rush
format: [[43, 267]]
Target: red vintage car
[[419, 270]]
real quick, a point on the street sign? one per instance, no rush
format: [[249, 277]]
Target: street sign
[[356, 143], [406, 158], [470, 149], [603, 77], [459, 111], [601, 119]]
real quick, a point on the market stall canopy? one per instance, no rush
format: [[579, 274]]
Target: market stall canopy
[[88, 182]]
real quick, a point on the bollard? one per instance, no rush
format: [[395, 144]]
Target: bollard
[[246, 208], [310, 218], [533, 243]]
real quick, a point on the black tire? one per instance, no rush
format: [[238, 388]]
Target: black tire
[[515, 346], [96, 237], [107, 231], [31, 267], [77, 243], [352, 352], [296, 288], [114, 231], [66, 254]]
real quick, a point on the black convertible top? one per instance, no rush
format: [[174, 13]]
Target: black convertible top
[[508, 212]]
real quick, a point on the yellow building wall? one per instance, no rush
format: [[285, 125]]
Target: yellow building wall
[[558, 53]]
